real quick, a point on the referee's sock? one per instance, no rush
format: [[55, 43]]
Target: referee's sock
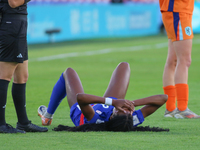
[[57, 95], [3, 98], [19, 98]]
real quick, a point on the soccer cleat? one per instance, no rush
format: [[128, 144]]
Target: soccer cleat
[[9, 129], [31, 127], [42, 110], [186, 114], [170, 113]]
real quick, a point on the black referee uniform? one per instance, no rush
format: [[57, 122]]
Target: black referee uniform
[[13, 48], [13, 33]]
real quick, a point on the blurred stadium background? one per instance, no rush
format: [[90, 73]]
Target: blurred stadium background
[[66, 22], [63, 20]]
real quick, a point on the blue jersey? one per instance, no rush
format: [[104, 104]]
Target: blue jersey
[[102, 114]]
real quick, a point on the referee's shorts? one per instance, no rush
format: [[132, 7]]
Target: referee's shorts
[[13, 38]]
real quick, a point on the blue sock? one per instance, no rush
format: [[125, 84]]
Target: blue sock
[[57, 95]]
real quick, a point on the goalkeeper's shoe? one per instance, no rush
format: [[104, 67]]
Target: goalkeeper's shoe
[[7, 128], [170, 113], [46, 121], [186, 114]]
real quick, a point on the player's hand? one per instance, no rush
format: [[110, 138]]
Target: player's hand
[[123, 105]]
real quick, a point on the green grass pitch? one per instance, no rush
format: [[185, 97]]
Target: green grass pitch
[[94, 61]]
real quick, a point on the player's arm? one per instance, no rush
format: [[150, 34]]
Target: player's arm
[[17, 3], [84, 101], [156, 100], [151, 103]]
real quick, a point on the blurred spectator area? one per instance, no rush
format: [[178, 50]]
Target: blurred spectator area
[[60, 20], [96, 1], [92, 1]]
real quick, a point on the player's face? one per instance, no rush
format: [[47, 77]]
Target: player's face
[[119, 112]]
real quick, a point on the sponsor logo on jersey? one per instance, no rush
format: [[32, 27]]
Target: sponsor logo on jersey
[[99, 112], [99, 121]]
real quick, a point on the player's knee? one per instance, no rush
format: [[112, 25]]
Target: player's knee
[[21, 79], [124, 64], [68, 70], [25, 78], [188, 63], [171, 64], [185, 62]]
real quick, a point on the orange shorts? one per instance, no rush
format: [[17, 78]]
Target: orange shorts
[[177, 25]]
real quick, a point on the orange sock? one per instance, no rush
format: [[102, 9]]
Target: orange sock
[[170, 90], [182, 92]]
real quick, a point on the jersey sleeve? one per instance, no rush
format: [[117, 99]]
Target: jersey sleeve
[[137, 117]]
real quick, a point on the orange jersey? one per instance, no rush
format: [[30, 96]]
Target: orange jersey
[[185, 6]]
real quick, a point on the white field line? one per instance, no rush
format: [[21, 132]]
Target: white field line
[[105, 51]]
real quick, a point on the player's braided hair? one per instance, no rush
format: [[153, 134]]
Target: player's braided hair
[[120, 123]]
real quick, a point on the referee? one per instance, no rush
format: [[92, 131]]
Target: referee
[[14, 64]]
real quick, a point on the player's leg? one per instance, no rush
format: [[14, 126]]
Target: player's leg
[[183, 50], [73, 85], [168, 80], [170, 65], [57, 95], [68, 81], [20, 78], [6, 72], [20, 75], [119, 81]]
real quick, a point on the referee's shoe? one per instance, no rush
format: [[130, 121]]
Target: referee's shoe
[[31, 127], [7, 128]]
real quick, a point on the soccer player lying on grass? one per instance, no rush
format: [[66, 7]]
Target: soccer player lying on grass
[[108, 113]]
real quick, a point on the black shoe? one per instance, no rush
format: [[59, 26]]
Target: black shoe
[[9, 129], [31, 127]]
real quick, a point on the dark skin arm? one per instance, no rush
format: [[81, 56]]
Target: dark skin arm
[[84, 101], [151, 104]]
